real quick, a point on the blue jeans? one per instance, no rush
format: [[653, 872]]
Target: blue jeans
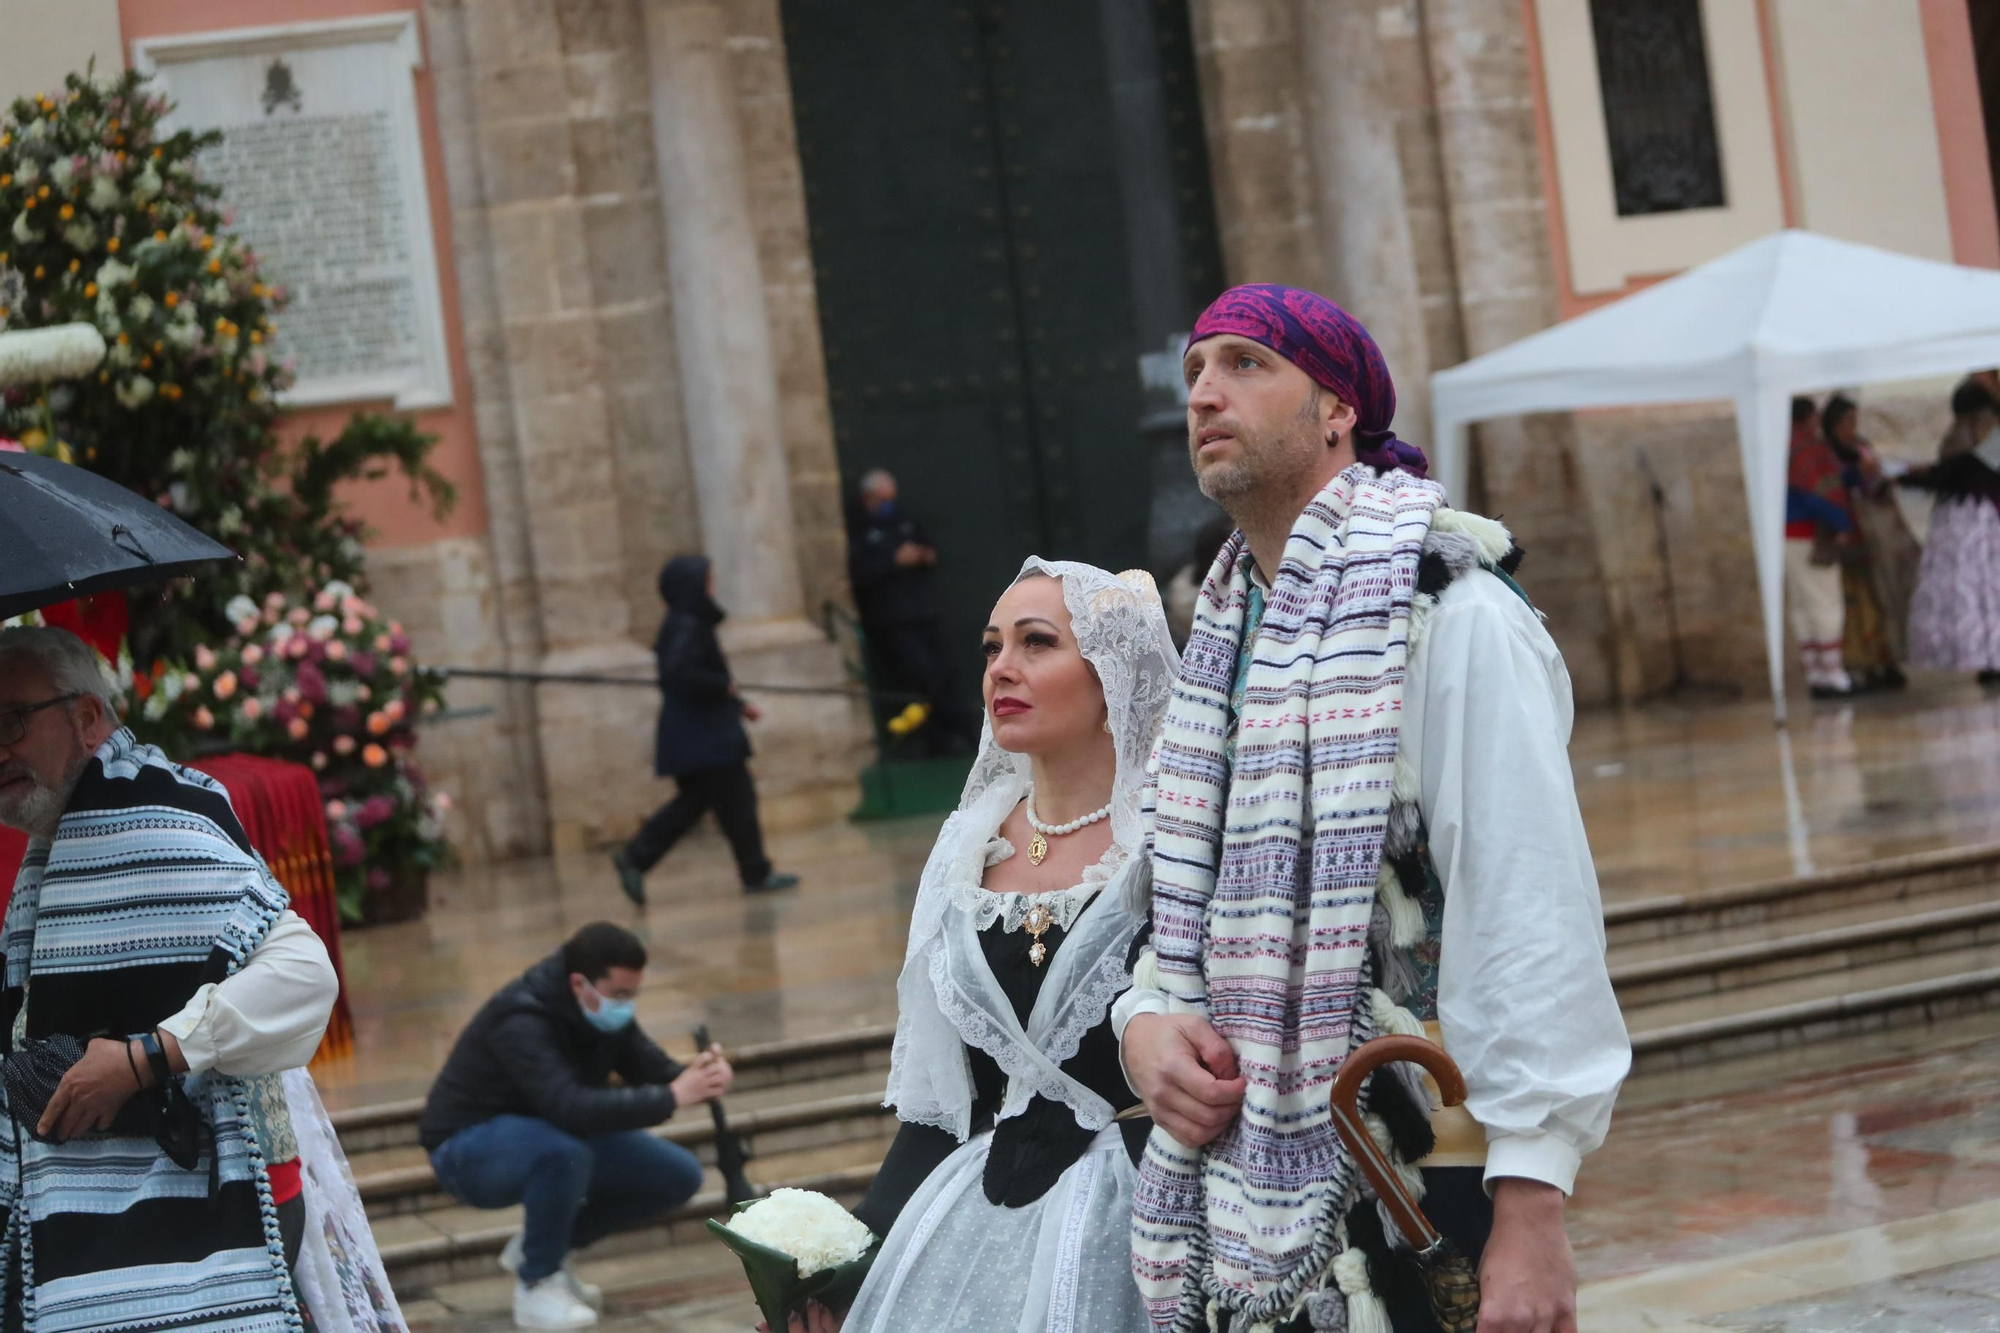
[[573, 1191]]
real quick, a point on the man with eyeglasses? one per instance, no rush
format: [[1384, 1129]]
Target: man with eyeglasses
[[146, 934]]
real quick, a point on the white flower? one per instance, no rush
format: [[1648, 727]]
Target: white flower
[[135, 392], [810, 1227], [112, 273], [147, 187], [62, 174], [142, 307], [28, 172], [61, 352], [216, 293], [38, 129], [25, 231], [323, 627], [104, 196], [240, 608], [229, 522], [340, 590], [184, 334], [81, 235], [180, 460]]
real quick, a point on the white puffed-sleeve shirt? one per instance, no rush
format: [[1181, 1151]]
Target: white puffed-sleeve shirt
[[269, 1015]]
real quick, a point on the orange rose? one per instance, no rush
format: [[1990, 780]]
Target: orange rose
[[298, 729], [374, 756], [378, 723]]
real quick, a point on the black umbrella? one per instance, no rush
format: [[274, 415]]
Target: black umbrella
[[66, 532]]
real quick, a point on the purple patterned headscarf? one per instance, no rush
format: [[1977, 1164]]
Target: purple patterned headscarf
[[1331, 347]]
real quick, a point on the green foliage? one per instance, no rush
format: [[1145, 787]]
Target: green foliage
[[105, 219]]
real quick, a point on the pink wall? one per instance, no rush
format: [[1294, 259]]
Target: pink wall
[[1975, 230], [385, 504], [1968, 173]]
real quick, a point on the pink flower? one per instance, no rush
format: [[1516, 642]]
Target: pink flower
[[297, 646], [246, 627], [311, 683], [348, 849], [252, 654], [291, 694], [381, 643], [343, 745], [378, 723], [353, 606], [274, 601], [375, 810], [298, 615], [394, 710], [353, 625], [336, 651], [12, 447], [319, 759], [298, 729], [225, 684], [204, 657], [190, 682], [365, 694], [336, 809], [442, 801], [252, 708], [204, 720], [323, 602], [247, 678], [398, 665]]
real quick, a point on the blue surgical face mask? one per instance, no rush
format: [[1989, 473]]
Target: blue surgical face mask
[[610, 1015], [883, 509]]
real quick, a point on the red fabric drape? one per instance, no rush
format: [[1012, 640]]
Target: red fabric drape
[[279, 807]]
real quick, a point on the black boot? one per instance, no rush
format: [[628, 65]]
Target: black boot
[[631, 880]]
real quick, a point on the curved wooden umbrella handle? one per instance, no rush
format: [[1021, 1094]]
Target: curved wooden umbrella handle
[[1345, 1106]]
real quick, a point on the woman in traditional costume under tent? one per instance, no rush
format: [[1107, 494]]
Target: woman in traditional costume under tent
[[1955, 613], [1878, 572]]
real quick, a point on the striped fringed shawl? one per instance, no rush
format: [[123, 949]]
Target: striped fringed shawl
[[148, 891], [1272, 951]]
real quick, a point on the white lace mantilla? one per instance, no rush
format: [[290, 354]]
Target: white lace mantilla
[[989, 905]]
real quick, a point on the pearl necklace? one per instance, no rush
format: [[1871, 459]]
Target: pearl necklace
[[1038, 849]]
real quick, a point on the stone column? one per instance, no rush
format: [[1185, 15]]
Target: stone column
[[1507, 290], [1366, 228], [723, 333], [809, 746]]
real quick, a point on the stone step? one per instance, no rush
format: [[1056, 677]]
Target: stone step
[[424, 1250], [1860, 998], [769, 1065], [773, 1123], [1650, 927], [1817, 946]]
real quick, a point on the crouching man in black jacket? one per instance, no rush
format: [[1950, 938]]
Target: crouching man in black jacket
[[524, 1112]]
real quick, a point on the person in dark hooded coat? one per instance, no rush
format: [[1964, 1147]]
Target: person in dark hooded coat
[[700, 743]]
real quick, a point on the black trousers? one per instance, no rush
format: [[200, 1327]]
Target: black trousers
[[910, 658], [731, 794]]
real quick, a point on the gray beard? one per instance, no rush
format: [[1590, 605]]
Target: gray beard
[[40, 812]]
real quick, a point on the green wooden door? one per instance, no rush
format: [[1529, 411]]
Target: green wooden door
[[970, 244]]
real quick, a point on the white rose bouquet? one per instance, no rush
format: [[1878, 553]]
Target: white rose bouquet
[[796, 1246]]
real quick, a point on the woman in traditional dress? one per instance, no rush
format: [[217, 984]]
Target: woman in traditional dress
[[1005, 1202], [1955, 614], [1878, 572]]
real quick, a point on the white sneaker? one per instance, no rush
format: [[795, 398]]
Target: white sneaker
[[550, 1304], [587, 1292]]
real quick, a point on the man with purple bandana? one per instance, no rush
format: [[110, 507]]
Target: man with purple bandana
[[1364, 822]]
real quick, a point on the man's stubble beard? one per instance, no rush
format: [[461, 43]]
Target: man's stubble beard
[[1267, 469]]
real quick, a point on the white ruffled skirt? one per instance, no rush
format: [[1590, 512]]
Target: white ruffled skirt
[[1062, 1264]]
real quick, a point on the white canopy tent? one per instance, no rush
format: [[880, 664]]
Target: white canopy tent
[[1789, 314]]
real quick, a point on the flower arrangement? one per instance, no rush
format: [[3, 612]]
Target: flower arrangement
[[171, 387], [105, 220], [324, 681], [796, 1246]]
